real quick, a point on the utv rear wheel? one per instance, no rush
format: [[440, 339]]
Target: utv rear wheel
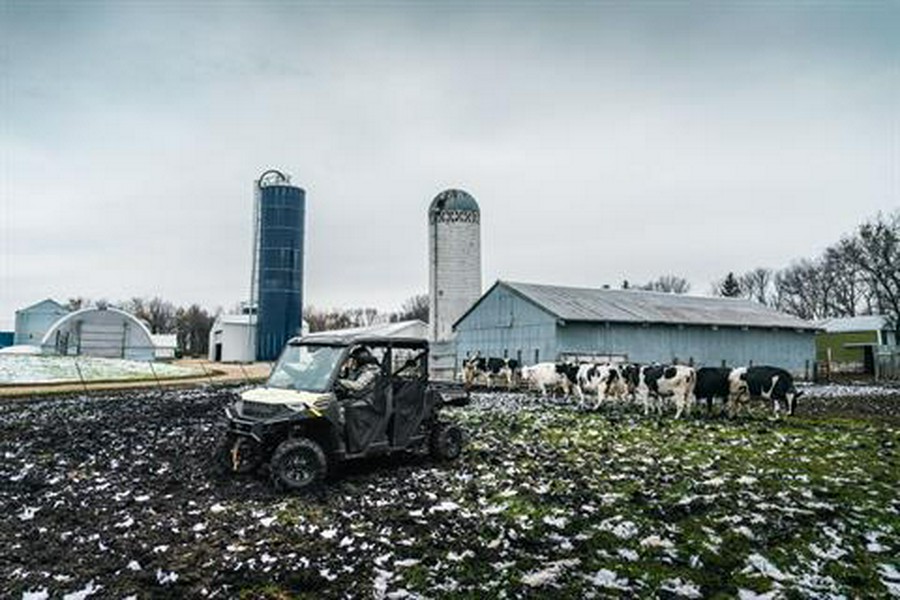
[[299, 463], [446, 441], [235, 454]]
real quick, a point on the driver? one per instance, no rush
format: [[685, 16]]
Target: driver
[[363, 370]]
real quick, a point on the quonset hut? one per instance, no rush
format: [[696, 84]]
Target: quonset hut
[[277, 281], [100, 331], [536, 323]]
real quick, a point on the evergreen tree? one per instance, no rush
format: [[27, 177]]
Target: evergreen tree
[[730, 288]]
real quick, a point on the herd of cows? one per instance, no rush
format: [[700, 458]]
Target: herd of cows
[[652, 385]]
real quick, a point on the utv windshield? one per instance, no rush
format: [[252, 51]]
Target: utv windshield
[[305, 368]]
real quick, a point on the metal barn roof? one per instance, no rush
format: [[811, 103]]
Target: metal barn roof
[[638, 306], [854, 324]]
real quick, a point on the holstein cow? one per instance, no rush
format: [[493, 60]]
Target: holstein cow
[[569, 372], [489, 369], [543, 376], [770, 383], [657, 382], [723, 383], [605, 380]]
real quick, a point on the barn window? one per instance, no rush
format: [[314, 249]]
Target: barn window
[[506, 353], [537, 356], [519, 356]]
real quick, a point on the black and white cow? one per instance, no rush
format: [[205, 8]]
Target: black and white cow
[[489, 369], [568, 371], [604, 380], [770, 383], [719, 383], [658, 382]]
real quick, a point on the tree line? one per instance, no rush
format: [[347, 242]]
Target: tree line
[[414, 307], [857, 275]]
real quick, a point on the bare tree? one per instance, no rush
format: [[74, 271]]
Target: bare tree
[[757, 285], [802, 290], [192, 328], [671, 284], [875, 251], [847, 285], [156, 312], [414, 307], [77, 303]]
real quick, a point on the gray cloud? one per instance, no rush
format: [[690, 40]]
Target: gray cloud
[[603, 141]]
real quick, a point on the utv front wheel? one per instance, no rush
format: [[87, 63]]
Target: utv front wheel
[[446, 441], [298, 464]]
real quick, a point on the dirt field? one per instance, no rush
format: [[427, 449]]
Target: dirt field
[[112, 497]]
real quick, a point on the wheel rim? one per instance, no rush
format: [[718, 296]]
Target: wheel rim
[[299, 467]]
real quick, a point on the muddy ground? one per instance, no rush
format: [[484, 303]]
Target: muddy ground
[[112, 496]]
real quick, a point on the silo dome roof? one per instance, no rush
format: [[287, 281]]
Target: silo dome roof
[[453, 200]]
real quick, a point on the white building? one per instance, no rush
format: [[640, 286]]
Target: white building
[[232, 338], [100, 331], [32, 322]]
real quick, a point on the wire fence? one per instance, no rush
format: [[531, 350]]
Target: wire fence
[[24, 374]]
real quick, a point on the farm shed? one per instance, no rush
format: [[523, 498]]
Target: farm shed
[[849, 344], [232, 338], [543, 323], [32, 322], [100, 331]]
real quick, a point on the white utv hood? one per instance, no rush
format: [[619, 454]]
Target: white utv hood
[[292, 398]]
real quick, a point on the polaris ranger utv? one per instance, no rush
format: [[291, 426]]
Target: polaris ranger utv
[[304, 421]]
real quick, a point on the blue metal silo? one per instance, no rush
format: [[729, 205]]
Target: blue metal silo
[[278, 262]]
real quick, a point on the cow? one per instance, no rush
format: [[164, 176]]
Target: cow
[[489, 369], [723, 383], [543, 376], [569, 373], [769, 383], [605, 380], [657, 382]]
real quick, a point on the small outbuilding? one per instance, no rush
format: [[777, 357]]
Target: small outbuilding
[[32, 322], [850, 344], [100, 331], [536, 323], [232, 338]]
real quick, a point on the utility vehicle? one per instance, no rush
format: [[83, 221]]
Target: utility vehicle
[[304, 421]]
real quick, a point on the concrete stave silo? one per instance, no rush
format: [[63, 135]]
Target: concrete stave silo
[[454, 251]]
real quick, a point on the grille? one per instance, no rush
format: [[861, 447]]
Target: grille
[[259, 410]]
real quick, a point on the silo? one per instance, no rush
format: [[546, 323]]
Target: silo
[[454, 251], [277, 283]]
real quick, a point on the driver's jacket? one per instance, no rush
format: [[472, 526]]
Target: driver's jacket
[[363, 379]]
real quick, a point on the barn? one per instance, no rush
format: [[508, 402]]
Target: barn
[[535, 323]]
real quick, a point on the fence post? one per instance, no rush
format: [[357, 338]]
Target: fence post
[[207, 373], [156, 377], [81, 377], [244, 371]]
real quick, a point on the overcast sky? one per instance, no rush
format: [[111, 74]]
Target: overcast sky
[[603, 141]]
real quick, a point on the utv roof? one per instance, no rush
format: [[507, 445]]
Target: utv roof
[[324, 339]]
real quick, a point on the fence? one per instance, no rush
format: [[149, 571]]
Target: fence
[[887, 363], [30, 374]]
